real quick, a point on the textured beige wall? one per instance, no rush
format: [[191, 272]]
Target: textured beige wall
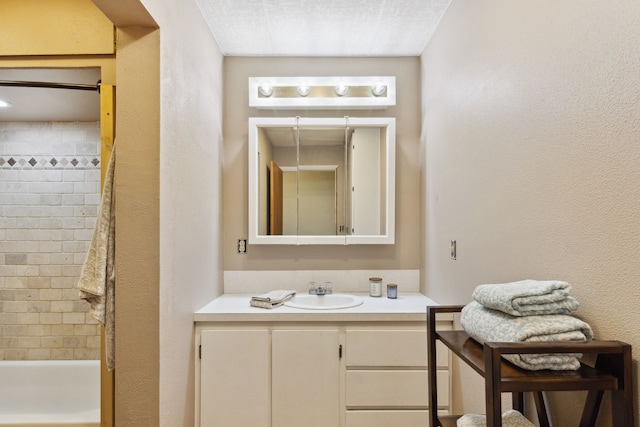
[[404, 254], [170, 257], [137, 264], [530, 124], [191, 195]]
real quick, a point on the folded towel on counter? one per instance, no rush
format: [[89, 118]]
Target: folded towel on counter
[[511, 418], [484, 324], [272, 299], [527, 297]]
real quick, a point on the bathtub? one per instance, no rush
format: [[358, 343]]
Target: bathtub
[[50, 393]]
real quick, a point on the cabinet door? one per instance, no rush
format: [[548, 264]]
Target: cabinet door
[[305, 378], [235, 373]]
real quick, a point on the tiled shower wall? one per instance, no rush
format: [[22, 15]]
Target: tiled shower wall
[[49, 197]]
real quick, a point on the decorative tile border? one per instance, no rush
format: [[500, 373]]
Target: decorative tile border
[[49, 162]]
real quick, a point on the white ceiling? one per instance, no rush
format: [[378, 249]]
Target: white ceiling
[[357, 28], [322, 27]]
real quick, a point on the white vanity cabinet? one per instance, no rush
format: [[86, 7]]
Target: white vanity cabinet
[[360, 367]]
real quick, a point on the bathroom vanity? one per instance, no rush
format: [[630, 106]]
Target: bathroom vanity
[[286, 367]]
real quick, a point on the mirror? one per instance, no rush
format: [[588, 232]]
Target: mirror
[[321, 180]]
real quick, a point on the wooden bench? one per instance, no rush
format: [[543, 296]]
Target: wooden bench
[[612, 372]]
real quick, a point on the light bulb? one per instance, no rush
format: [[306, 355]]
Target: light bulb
[[265, 89], [378, 89], [303, 90], [341, 89]]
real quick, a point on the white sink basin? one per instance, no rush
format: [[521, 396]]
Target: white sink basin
[[324, 302]]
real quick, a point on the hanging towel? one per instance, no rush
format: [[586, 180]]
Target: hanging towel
[[527, 297], [97, 278], [511, 418], [272, 299], [483, 324]]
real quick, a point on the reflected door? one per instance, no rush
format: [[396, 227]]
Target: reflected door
[[275, 199], [367, 189]]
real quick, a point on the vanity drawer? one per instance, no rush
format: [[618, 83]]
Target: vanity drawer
[[390, 348], [393, 388], [406, 418]]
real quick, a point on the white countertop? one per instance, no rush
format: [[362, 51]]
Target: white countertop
[[236, 308]]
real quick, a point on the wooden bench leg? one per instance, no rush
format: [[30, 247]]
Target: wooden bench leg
[[622, 409], [591, 408], [517, 399], [492, 378], [541, 408], [622, 400]]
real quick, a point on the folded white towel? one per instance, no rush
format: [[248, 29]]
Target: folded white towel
[[484, 324], [511, 418], [527, 297], [272, 299]]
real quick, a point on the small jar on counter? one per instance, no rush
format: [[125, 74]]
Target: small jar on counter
[[392, 291], [375, 286]]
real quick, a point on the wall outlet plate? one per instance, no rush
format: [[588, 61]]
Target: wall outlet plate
[[242, 246]]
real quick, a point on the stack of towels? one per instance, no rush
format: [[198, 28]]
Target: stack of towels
[[527, 311], [272, 299]]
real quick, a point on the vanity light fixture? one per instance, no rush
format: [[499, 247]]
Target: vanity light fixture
[[338, 92], [378, 89], [341, 89], [265, 89], [303, 89]]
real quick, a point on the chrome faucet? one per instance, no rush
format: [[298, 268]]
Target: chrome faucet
[[325, 289]]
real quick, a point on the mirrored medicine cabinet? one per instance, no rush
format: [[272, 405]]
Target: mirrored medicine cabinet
[[321, 180]]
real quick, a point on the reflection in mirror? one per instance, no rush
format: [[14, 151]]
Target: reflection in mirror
[[321, 181], [314, 210]]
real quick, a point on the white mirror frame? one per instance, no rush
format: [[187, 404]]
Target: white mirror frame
[[260, 122]]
